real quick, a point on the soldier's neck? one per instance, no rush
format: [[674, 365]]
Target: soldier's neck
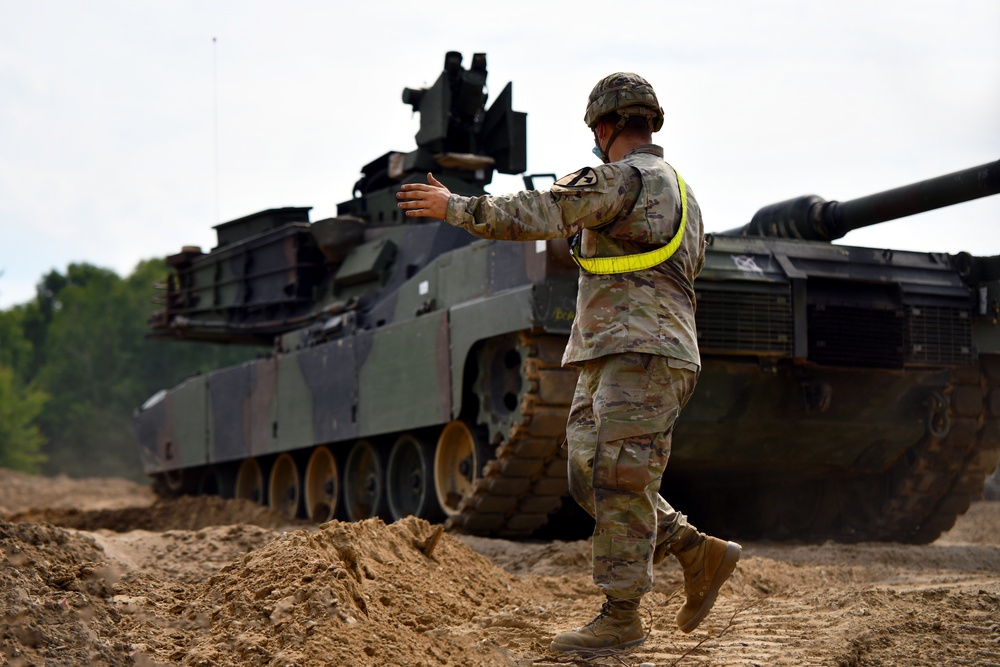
[[624, 144]]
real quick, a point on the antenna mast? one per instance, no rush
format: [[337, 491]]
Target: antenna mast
[[215, 121]]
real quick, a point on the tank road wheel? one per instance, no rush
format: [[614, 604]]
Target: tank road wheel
[[283, 487], [364, 482], [410, 480], [250, 481], [322, 485], [455, 466], [217, 481], [500, 385], [169, 484]]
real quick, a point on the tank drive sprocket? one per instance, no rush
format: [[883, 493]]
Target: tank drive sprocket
[[524, 396]]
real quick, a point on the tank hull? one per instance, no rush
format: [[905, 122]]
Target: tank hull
[[784, 406]]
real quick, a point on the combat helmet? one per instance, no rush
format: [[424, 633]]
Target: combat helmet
[[628, 95]]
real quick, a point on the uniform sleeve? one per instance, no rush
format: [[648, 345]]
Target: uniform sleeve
[[586, 199]]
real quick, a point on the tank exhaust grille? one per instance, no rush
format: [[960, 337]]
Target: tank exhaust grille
[[938, 335], [856, 337], [755, 322]]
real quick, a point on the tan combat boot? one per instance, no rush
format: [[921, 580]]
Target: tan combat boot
[[707, 562], [617, 626]]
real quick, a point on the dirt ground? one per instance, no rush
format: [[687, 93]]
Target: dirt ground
[[97, 572]]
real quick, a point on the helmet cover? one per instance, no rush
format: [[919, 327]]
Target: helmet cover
[[626, 94]]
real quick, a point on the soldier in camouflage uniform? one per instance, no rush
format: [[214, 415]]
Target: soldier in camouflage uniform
[[638, 237]]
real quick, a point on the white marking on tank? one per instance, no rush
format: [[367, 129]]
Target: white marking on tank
[[747, 264], [540, 246], [424, 287]]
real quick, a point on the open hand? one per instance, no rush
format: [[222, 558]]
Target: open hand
[[424, 201]]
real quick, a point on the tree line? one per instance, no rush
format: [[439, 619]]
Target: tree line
[[75, 363]]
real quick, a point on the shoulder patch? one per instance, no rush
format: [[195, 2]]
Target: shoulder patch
[[583, 178]]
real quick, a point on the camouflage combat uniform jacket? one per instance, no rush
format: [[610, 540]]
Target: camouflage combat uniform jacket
[[626, 207]]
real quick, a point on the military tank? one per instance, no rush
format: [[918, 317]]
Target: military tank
[[408, 368]]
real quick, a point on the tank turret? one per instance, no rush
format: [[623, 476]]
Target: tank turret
[[275, 271], [813, 218]]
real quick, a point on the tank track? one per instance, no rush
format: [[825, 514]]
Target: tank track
[[935, 482], [525, 480]]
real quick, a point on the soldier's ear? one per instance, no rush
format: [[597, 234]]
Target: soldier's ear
[[603, 130]]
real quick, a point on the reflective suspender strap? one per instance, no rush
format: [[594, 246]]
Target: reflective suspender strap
[[645, 260]]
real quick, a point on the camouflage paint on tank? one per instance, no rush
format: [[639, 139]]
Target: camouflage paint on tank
[[404, 375], [307, 378], [393, 377], [173, 431], [229, 392]]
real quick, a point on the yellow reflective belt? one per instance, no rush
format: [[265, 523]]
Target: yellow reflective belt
[[644, 260]]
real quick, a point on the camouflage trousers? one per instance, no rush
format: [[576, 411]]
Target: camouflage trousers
[[618, 434]]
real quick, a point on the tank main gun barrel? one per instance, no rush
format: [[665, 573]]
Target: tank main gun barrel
[[815, 219]]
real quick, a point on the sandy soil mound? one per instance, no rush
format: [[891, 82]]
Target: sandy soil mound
[[54, 588], [200, 581], [363, 594]]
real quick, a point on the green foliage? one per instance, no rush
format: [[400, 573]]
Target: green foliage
[[83, 340], [16, 351], [20, 439], [38, 314]]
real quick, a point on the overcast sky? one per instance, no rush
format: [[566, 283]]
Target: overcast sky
[[125, 133]]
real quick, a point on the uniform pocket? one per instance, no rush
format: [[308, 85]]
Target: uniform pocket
[[606, 465], [635, 422], [631, 464]]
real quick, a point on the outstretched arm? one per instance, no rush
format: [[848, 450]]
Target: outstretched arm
[[424, 201], [591, 199]]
